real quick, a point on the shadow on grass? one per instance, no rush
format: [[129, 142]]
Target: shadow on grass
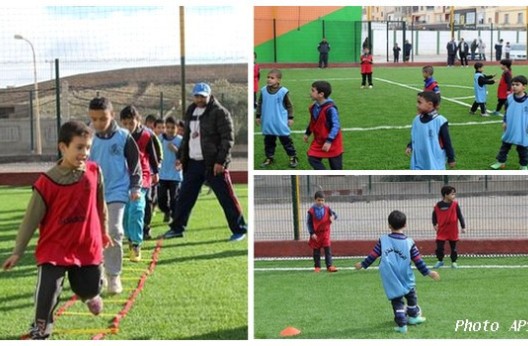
[[19, 272], [223, 254], [169, 243], [240, 333], [16, 307]]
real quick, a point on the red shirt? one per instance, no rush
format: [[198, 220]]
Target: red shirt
[[504, 88], [320, 132], [70, 232], [447, 222], [321, 228], [256, 77], [366, 63]]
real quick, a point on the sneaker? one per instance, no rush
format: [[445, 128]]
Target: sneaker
[[438, 264], [172, 234], [496, 114], [416, 320], [454, 265], [317, 269], [147, 236], [166, 217], [471, 113], [269, 161], [370, 86], [362, 87], [114, 284], [294, 162], [498, 165], [237, 237], [135, 253], [36, 334], [331, 269], [402, 329], [524, 168], [95, 305], [484, 114]]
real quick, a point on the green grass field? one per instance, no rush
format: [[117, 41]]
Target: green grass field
[[198, 290], [351, 304], [376, 122]]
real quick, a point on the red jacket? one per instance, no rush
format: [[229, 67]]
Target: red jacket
[[320, 133], [321, 228], [504, 88], [447, 222], [366, 63], [70, 232]]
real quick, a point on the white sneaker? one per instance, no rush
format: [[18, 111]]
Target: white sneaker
[[114, 284]]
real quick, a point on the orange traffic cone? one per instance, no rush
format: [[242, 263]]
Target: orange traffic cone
[[290, 331]]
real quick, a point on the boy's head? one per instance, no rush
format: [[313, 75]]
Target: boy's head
[[75, 141], [447, 190], [101, 113], [319, 198], [150, 120], [366, 50], [170, 126], [321, 90], [478, 66], [518, 84], [506, 63], [397, 220], [427, 71], [159, 126], [129, 117], [426, 102], [180, 127], [274, 77]]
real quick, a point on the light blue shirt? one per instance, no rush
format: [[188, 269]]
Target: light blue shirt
[[395, 266]]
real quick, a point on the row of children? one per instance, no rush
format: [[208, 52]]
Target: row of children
[[96, 194], [396, 251]]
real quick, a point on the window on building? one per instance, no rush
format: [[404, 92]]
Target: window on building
[[520, 18], [506, 18]]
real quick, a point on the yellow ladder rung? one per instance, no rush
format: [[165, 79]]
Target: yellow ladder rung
[[86, 331], [73, 313]]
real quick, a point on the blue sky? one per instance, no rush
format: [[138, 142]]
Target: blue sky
[[104, 37]]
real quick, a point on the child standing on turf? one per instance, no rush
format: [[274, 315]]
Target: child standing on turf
[[446, 215], [170, 172], [430, 84], [116, 152], [319, 219], [515, 125], [135, 221], [68, 207], [397, 251], [504, 88], [480, 80], [275, 115], [366, 68], [325, 127], [430, 144]]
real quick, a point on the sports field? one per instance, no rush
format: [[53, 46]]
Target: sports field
[[376, 122], [351, 304], [194, 287]]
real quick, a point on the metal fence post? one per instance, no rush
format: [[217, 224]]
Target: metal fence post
[[295, 206]]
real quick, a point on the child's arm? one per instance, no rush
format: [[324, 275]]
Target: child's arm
[[289, 107], [333, 215], [134, 167], [309, 226], [258, 112], [374, 254], [420, 264], [36, 210], [103, 210], [408, 149], [461, 219], [435, 221], [445, 139], [154, 159], [334, 128]]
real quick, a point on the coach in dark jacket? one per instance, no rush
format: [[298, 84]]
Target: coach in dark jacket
[[451, 52], [205, 154]]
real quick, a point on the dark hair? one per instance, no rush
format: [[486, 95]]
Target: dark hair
[[520, 79], [159, 121], [150, 118], [478, 65], [319, 194], [73, 128], [428, 69], [170, 120], [446, 190], [397, 220], [322, 87], [180, 123], [430, 96], [100, 103], [507, 63], [129, 112], [276, 72]]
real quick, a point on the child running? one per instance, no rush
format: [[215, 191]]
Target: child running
[[67, 205]]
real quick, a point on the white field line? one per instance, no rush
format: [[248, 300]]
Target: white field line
[[376, 268], [388, 127]]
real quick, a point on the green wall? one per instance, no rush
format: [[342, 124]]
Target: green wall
[[342, 30]]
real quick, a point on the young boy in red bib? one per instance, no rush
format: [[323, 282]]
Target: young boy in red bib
[[319, 219], [446, 215], [326, 129], [68, 208]]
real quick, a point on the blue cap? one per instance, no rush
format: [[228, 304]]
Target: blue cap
[[202, 89]]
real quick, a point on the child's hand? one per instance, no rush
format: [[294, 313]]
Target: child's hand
[[313, 236], [178, 165], [434, 275], [326, 146], [11, 262], [107, 241], [155, 179], [358, 265], [258, 122], [435, 227], [305, 137], [290, 122], [134, 196], [503, 126], [408, 151], [463, 230]]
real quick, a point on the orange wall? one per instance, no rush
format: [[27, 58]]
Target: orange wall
[[288, 18]]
